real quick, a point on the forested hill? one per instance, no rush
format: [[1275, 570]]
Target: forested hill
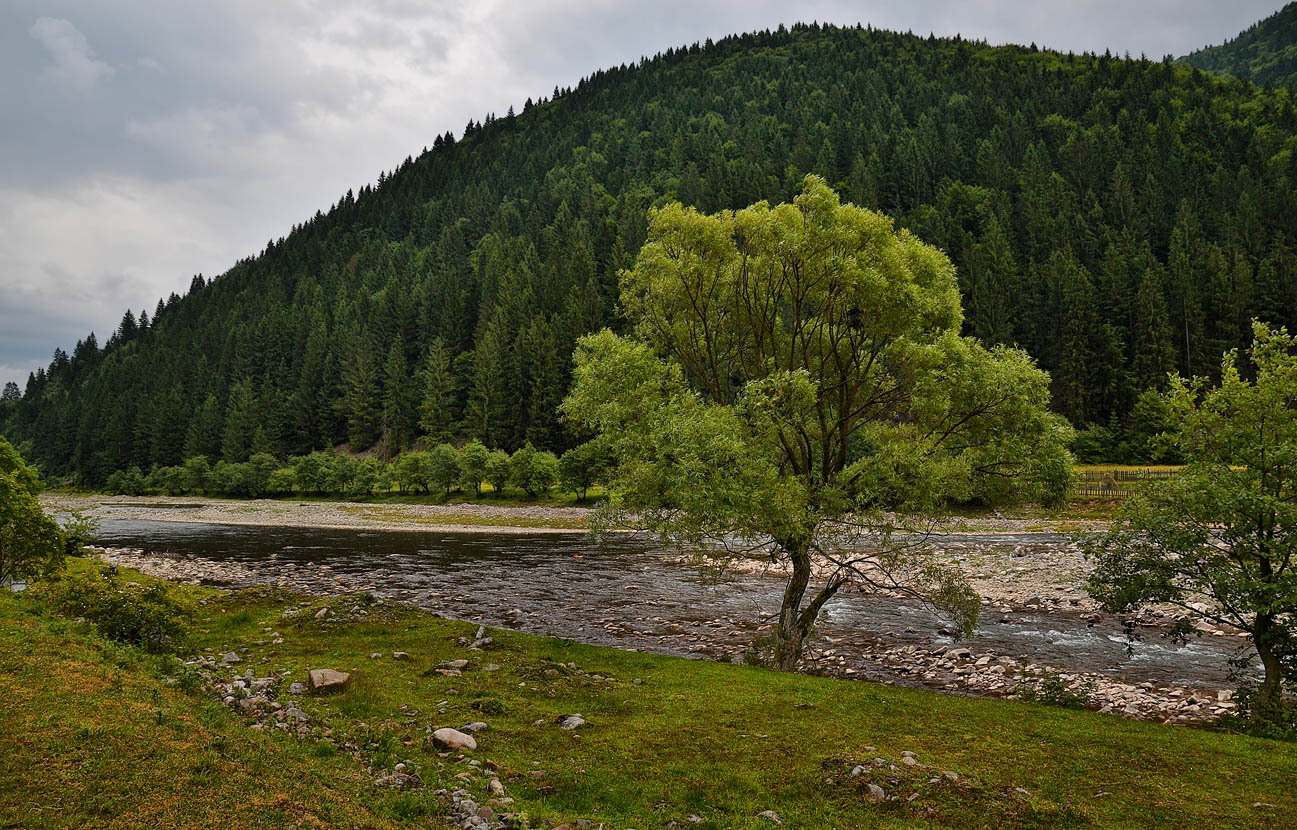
[[1265, 53], [1118, 219]]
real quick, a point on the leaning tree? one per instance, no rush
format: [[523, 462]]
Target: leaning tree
[[795, 387]]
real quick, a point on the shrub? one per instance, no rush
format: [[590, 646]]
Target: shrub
[[153, 617], [497, 471], [535, 471], [129, 482], [1052, 690]]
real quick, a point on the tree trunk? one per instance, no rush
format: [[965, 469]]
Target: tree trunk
[[1267, 696], [790, 635]]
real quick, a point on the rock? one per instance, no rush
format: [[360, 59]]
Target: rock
[[322, 613], [909, 761], [400, 655], [454, 739], [572, 722], [497, 789], [230, 658], [857, 770], [459, 665], [770, 815], [328, 680], [475, 726], [376, 655], [297, 689], [877, 793]]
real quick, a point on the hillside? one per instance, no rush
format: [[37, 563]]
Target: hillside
[[1265, 53], [1118, 219]]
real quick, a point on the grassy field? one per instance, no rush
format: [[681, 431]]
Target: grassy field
[[98, 735]]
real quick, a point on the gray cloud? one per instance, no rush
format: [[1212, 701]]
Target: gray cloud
[[142, 142]]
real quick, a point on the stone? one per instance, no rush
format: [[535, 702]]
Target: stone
[[857, 770], [322, 613], [378, 655], [497, 789], [770, 815], [328, 680], [877, 793], [475, 726], [230, 658], [458, 665], [572, 722], [400, 655], [454, 739], [296, 689]]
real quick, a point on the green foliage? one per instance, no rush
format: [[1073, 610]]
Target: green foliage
[[1220, 539], [583, 466], [1265, 52], [154, 617], [128, 482], [1052, 690], [535, 471], [1071, 192], [31, 544], [443, 467], [795, 376], [498, 471], [473, 458]]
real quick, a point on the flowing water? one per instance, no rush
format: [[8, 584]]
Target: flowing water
[[630, 595]]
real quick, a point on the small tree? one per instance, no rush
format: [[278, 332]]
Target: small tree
[[1219, 540], [796, 387], [31, 544], [443, 467], [473, 459], [581, 467], [535, 471], [498, 471]]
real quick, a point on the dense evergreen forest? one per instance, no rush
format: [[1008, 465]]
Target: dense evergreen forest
[[1265, 53], [1119, 219]]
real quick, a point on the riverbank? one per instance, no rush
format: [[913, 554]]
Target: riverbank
[[459, 516], [102, 735]]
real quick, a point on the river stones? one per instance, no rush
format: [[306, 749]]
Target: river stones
[[328, 680], [454, 739], [230, 658], [572, 722]]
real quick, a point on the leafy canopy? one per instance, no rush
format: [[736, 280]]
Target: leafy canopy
[[795, 373], [1220, 539]]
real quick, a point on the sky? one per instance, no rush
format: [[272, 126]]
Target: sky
[[144, 142]]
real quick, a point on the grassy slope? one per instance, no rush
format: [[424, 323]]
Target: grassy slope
[[724, 742]]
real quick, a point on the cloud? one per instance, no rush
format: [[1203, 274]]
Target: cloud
[[75, 66]]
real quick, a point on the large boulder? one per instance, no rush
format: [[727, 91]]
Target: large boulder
[[328, 680]]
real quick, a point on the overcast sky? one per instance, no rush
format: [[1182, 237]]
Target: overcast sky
[[144, 142]]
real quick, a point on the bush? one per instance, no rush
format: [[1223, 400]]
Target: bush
[[1052, 690], [1277, 722], [153, 617], [533, 470], [129, 482], [31, 544], [497, 471], [583, 466]]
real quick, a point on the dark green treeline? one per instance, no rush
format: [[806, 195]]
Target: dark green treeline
[[1265, 53], [1118, 218]]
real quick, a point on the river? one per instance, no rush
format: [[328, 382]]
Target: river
[[631, 595]]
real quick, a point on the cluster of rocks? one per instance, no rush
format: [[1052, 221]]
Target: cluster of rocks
[[268, 700], [959, 668]]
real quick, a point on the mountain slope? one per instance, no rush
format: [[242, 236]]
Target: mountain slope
[[1118, 219], [1265, 53]]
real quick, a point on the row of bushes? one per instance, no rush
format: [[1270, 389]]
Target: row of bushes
[[441, 470]]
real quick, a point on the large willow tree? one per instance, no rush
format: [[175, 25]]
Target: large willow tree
[[796, 387]]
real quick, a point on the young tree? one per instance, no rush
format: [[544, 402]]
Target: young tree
[[497, 471], [1220, 539], [582, 466], [443, 467], [535, 471], [795, 377], [473, 459], [31, 544]]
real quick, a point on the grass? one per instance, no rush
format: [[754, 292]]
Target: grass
[[95, 736]]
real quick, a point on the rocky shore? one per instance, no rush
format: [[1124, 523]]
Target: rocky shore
[[954, 668]]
